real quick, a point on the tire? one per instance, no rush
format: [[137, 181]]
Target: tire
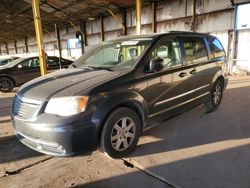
[[215, 97], [6, 84], [120, 133]]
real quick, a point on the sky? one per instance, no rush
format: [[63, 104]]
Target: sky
[[243, 17]]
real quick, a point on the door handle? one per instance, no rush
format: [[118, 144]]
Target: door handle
[[182, 74], [193, 71]]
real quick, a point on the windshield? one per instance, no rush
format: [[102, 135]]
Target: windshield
[[6, 61], [14, 62], [3, 62], [119, 54]]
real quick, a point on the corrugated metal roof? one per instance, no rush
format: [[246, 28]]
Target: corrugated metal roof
[[16, 18]]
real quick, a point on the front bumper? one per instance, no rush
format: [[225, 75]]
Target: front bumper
[[56, 139]]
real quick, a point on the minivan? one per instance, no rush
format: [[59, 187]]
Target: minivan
[[117, 90]]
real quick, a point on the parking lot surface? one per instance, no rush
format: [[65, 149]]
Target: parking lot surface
[[195, 149]]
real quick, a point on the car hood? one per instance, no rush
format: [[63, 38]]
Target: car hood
[[66, 82]]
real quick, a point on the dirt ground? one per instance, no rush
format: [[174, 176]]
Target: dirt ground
[[192, 150]]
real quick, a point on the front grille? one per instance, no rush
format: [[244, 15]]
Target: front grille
[[25, 108]]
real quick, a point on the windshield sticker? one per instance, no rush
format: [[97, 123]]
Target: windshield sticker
[[129, 43]]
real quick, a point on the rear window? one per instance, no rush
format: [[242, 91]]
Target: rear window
[[195, 49], [53, 61], [216, 48]]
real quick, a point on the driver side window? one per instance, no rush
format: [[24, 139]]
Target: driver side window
[[169, 51], [30, 63]]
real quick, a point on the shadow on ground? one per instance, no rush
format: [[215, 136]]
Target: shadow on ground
[[193, 172], [5, 105], [5, 121], [11, 149]]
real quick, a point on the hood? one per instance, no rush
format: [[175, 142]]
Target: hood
[[66, 82]]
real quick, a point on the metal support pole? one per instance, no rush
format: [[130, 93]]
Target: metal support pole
[[15, 46], [85, 34], [7, 50], [153, 17], [138, 16], [125, 22], [234, 62], [186, 5], [39, 35], [193, 15], [102, 28], [82, 37], [26, 45], [58, 44], [236, 34]]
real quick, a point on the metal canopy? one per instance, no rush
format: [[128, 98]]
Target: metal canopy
[[16, 18]]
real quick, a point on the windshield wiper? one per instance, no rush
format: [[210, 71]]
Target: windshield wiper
[[102, 68], [96, 68]]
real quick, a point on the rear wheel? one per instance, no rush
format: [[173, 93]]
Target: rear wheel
[[215, 97], [6, 84], [120, 133]]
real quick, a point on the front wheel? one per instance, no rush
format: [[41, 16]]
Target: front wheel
[[215, 97], [6, 84], [120, 132]]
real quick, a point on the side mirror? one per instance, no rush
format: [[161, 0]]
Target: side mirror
[[156, 65], [19, 66]]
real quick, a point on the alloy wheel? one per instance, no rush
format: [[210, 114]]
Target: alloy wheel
[[6, 84], [123, 134], [217, 93]]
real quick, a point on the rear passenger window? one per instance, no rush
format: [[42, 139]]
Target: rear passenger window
[[53, 62], [195, 50], [216, 48]]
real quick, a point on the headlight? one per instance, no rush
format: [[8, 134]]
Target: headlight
[[67, 106]]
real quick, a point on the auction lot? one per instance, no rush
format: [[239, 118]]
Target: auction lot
[[194, 149]]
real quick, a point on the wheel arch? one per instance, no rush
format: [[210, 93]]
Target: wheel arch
[[221, 79], [218, 77], [8, 76], [130, 100]]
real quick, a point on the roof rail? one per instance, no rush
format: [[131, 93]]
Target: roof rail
[[187, 32]]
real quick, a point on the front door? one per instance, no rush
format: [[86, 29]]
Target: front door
[[167, 87], [27, 70]]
